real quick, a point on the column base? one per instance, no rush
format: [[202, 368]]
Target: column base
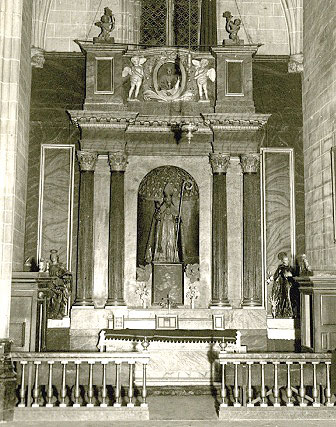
[[115, 303], [83, 303], [7, 383], [220, 304], [251, 302]]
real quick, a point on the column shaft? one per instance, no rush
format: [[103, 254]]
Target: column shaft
[[252, 277], [116, 240]]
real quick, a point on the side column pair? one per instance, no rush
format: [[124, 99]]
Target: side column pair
[[252, 280], [84, 290]]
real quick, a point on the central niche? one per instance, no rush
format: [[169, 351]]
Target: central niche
[[168, 229]]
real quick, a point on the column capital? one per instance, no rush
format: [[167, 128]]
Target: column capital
[[118, 161], [250, 162], [87, 160], [219, 162]]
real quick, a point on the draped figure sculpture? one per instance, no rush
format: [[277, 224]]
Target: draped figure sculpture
[[164, 242], [281, 290]]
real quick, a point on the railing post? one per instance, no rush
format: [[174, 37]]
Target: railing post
[[263, 403], [90, 391], [104, 390], [36, 391], [50, 389], [117, 403], [236, 404], [63, 389], [22, 403], [276, 387], [289, 387], [328, 391], [223, 387], [130, 403], [250, 404], [316, 403], [302, 390], [144, 403], [77, 391]]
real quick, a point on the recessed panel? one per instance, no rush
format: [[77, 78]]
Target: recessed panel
[[104, 75], [328, 309], [234, 78]]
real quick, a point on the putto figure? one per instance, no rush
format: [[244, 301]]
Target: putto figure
[[137, 74], [106, 25], [232, 27], [202, 74]]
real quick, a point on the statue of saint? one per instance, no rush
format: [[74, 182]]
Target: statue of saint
[[165, 235], [281, 290]]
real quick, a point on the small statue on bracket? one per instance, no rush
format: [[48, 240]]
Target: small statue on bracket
[[106, 25], [232, 27], [304, 266], [202, 74], [137, 74]]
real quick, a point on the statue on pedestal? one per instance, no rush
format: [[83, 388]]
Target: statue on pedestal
[[165, 234], [232, 27], [282, 283], [106, 25]]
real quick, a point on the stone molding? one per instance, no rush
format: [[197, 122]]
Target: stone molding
[[118, 161], [219, 162], [87, 160], [116, 120], [243, 121], [250, 162], [37, 57], [295, 64]]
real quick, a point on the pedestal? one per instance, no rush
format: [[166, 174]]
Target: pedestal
[[7, 382]]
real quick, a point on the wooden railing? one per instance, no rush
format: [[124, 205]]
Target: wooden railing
[[79, 379], [275, 379]]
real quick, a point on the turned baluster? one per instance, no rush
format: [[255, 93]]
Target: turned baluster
[[104, 390], [223, 387], [36, 386], [302, 390], [77, 391], [117, 403], [63, 389], [50, 388], [90, 391], [250, 404], [328, 391], [144, 386], [276, 387], [130, 403], [236, 386], [22, 403], [263, 403], [289, 387], [316, 403]]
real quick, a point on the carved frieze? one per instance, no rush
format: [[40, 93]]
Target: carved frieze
[[87, 160], [118, 161], [250, 162], [219, 162]]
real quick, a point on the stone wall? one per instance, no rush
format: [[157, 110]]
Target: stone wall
[[23, 139], [319, 103]]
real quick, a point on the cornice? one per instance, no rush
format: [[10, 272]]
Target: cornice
[[151, 123], [102, 119], [235, 121]]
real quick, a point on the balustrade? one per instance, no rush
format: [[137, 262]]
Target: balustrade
[[275, 379], [80, 379]]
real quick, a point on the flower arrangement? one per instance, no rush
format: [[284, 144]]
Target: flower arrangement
[[142, 291], [192, 294], [193, 272]]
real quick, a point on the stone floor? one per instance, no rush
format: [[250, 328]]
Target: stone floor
[[183, 411]]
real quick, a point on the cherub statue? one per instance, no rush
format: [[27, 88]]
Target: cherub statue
[[232, 27], [137, 74], [202, 74], [106, 24]]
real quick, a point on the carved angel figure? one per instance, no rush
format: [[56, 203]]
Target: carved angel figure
[[202, 74], [232, 26], [136, 74], [106, 24]]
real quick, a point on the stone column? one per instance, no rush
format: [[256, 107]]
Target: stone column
[[87, 161], [219, 291], [118, 163], [252, 262]]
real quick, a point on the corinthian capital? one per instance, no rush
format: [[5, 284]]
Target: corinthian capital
[[118, 161], [87, 160], [250, 162], [219, 162]]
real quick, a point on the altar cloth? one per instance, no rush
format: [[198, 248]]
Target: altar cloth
[[174, 335]]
